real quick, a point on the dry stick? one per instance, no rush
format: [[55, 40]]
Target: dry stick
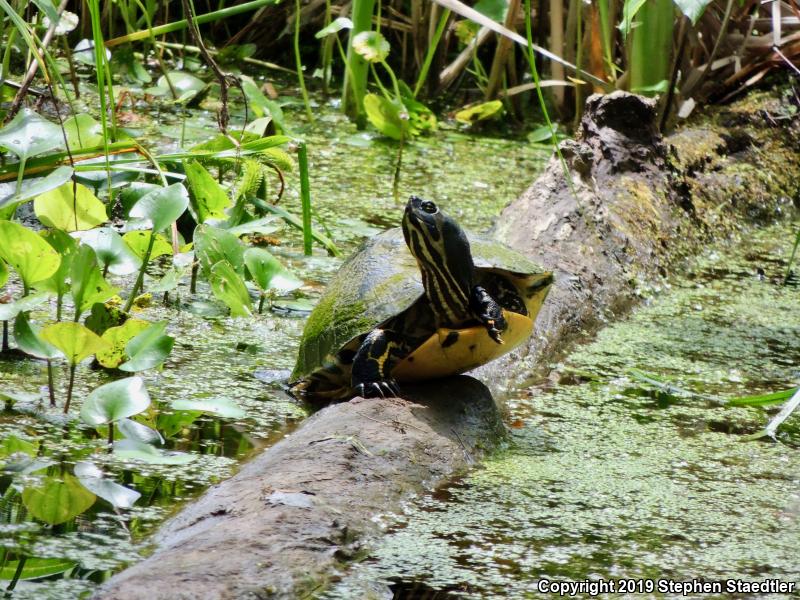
[[683, 34], [501, 53], [34, 66], [451, 71]]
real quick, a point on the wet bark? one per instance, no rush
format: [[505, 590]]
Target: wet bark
[[640, 206]]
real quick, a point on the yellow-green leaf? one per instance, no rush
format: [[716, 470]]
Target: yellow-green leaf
[[32, 258], [76, 341], [117, 338], [71, 207], [57, 499]]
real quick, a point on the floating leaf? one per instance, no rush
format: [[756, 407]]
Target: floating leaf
[[83, 52], [334, 26], [479, 112], [13, 444], [228, 287], [136, 431], [264, 226], [262, 106], [111, 251], [29, 341], [31, 257], [12, 309], [71, 207], [208, 199], [212, 245], [93, 480], [57, 499], [83, 131], [371, 46], [88, 284], [268, 273], [222, 407], [138, 241], [115, 400], [11, 396], [148, 349], [385, 115], [161, 206], [169, 281], [136, 450], [186, 85], [36, 568], [9, 196], [117, 338], [28, 134], [74, 340]]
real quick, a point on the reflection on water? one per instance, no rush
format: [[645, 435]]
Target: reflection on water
[[624, 463]]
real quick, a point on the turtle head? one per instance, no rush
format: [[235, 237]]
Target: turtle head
[[442, 251]]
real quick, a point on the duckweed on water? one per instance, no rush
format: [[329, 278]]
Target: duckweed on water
[[611, 477]]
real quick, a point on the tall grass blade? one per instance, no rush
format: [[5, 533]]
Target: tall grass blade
[[305, 197]]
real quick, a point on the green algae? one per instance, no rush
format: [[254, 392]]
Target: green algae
[[610, 474]]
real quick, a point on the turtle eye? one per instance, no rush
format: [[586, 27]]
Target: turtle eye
[[429, 207]]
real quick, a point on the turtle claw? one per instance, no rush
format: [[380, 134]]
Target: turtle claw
[[378, 389]]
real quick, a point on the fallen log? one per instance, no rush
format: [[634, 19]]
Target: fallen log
[[637, 207]]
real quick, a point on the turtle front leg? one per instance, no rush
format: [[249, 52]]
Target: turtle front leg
[[488, 312], [380, 351]]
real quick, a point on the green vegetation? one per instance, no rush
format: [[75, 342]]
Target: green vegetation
[[160, 233]]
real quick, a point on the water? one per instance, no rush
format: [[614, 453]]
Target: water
[[610, 475]]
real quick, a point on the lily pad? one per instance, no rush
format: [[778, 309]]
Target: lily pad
[[30, 188], [212, 245], [29, 341], [83, 131], [264, 226], [83, 52], [222, 407], [148, 349], [228, 287], [136, 450], [111, 251], [208, 199], [93, 480], [36, 568], [479, 112], [137, 431], [115, 400], [88, 284], [186, 85], [67, 247], [12, 309], [137, 241], [161, 206], [75, 340], [385, 115], [29, 134], [70, 207], [57, 499], [31, 257]]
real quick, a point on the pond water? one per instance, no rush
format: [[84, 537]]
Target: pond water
[[216, 356], [625, 463]]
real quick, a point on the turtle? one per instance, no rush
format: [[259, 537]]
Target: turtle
[[417, 302]]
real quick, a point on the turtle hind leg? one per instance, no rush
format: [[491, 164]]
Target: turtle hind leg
[[488, 312], [380, 351]]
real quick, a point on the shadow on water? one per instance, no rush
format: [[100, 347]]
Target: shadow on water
[[626, 463]]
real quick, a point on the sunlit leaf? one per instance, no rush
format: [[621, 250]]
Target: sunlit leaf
[[111, 251], [186, 85], [57, 499], [693, 9], [67, 247], [385, 115], [93, 480], [136, 450], [371, 46], [29, 134], [264, 226], [268, 273], [71, 207], [479, 112], [88, 284], [334, 26], [13, 444], [3, 274], [222, 407], [117, 338], [138, 241], [629, 11], [36, 568], [161, 206], [83, 131], [115, 400], [136, 431], [83, 52], [261, 105], [228, 287], [212, 245], [494, 9], [208, 199], [33, 187], [75, 340], [148, 349], [763, 399], [31, 257], [29, 341]]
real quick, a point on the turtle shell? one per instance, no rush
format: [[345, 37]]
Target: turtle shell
[[378, 282]]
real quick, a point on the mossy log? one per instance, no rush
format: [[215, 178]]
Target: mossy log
[[639, 206]]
